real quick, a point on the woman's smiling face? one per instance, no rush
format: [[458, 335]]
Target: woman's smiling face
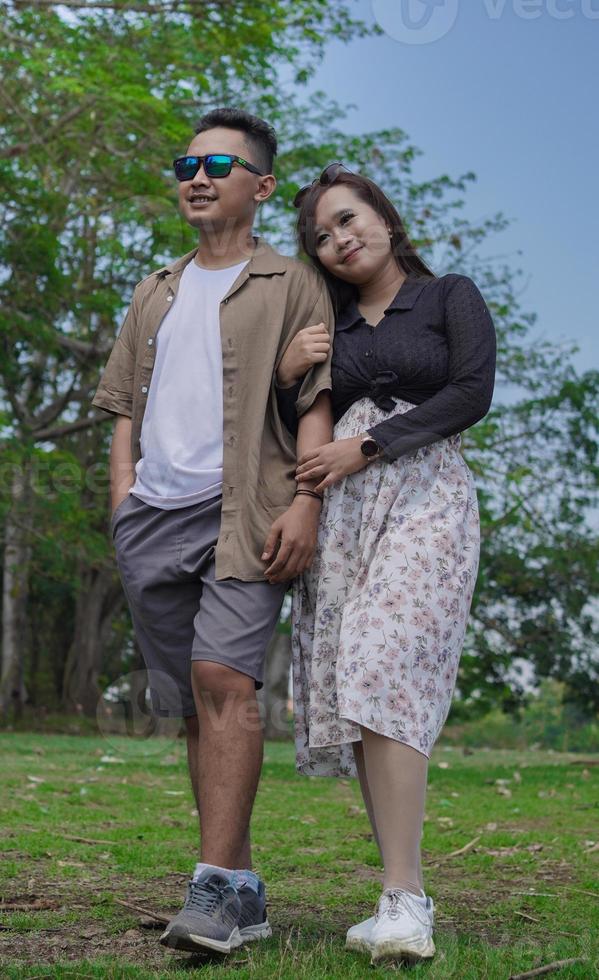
[[351, 239]]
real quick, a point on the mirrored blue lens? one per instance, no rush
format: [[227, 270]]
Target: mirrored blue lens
[[218, 164], [186, 168]]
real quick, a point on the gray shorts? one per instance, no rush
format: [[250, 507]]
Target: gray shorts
[[179, 611]]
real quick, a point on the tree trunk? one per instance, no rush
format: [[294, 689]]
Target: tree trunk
[[98, 600], [17, 555], [274, 695]]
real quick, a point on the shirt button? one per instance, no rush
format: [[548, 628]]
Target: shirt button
[[368, 353], [150, 341], [231, 440], [144, 389], [226, 300], [169, 299]]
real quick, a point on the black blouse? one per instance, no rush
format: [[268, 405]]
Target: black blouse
[[434, 348]]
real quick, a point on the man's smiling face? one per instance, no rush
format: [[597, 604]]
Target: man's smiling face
[[216, 203]]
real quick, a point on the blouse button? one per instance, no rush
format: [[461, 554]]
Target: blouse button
[[150, 341], [144, 389]]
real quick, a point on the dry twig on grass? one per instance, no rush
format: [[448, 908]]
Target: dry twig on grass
[[462, 850], [39, 905], [525, 915], [537, 894], [88, 840], [542, 970], [581, 891], [137, 908]]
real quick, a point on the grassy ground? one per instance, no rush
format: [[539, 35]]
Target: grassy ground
[[525, 893]]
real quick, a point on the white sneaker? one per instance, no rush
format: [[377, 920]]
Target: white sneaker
[[403, 928], [358, 937]]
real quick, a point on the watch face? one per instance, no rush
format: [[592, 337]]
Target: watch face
[[369, 448]]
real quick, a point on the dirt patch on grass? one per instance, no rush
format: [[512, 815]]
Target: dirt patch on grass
[[95, 930], [94, 926], [105, 929]]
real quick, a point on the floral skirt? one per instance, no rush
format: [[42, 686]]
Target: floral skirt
[[378, 621]]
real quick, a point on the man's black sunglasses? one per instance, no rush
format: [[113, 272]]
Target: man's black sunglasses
[[328, 176], [215, 165]]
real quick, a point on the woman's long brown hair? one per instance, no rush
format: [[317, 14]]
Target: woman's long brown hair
[[406, 256]]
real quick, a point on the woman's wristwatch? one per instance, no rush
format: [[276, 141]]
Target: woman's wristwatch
[[370, 448]]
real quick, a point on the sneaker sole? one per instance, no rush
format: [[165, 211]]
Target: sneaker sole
[[260, 931], [176, 938], [411, 951], [356, 945]]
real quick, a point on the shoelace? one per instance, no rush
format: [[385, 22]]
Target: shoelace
[[395, 901], [204, 896]]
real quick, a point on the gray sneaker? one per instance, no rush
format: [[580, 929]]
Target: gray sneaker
[[210, 917], [253, 922]]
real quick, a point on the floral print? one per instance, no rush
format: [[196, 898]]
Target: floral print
[[378, 621]]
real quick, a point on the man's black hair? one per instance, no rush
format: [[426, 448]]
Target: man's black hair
[[259, 136]]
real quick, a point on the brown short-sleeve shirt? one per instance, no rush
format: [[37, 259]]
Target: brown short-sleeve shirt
[[272, 298]]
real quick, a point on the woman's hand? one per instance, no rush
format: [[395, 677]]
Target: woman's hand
[[310, 346], [332, 462]]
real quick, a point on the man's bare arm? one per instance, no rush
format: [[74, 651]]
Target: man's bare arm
[[122, 470], [315, 428], [297, 528]]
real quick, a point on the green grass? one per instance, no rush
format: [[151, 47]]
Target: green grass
[[311, 844]]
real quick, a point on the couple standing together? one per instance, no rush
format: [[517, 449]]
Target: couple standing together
[[250, 453]]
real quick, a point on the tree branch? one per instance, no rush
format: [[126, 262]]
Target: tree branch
[[122, 6], [49, 435], [20, 411], [83, 348], [51, 412], [17, 149]]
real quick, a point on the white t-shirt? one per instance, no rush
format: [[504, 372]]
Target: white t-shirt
[[182, 429]]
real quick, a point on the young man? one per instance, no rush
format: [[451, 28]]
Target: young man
[[202, 475]]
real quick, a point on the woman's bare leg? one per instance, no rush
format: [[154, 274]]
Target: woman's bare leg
[[360, 766], [396, 777]]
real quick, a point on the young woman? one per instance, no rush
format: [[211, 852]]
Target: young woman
[[379, 619]]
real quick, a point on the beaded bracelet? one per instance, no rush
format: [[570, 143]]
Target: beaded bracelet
[[310, 493]]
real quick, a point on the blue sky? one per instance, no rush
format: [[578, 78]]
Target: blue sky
[[509, 90]]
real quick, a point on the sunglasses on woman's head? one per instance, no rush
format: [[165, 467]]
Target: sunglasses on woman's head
[[215, 165], [328, 176]]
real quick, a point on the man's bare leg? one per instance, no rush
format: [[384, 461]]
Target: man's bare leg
[[192, 732], [224, 766], [229, 761]]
